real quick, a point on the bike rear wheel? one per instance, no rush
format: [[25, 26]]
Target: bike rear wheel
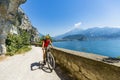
[[50, 60]]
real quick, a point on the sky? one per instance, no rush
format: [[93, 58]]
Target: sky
[[56, 17]]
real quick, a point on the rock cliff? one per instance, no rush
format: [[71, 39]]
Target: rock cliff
[[12, 18]]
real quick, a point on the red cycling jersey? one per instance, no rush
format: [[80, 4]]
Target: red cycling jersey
[[46, 43]]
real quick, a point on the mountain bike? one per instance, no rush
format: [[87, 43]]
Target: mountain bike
[[50, 59]]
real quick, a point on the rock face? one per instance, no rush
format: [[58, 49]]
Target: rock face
[[11, 19], [26, 24]]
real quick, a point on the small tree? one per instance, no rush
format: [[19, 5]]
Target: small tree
[[25, 37]]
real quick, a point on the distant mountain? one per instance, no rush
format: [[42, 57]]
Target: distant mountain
[[72, 32], [74, 37], [91, 33], [105, 32]]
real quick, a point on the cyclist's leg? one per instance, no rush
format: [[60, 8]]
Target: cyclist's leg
[[44, 55]]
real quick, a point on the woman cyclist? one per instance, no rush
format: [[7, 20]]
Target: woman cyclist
[[45, 44]]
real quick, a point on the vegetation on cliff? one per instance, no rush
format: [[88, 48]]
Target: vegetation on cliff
[[18, 43]]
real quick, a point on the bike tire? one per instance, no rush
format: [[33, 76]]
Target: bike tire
[[51, 61]]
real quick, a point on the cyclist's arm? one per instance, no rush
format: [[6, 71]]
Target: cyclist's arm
[[51, 44], [43, 44]]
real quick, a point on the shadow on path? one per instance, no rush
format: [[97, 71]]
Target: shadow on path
[[40, 65], [62, 73]]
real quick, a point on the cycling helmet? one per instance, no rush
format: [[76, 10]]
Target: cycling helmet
[[47, 37]]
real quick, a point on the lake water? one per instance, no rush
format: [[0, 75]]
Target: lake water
[[109, 48]]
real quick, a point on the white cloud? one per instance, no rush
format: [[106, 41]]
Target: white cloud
[[77, 25]]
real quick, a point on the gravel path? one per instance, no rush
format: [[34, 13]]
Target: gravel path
[[18, 67]]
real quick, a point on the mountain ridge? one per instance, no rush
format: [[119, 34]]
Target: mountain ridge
[[91, 33]]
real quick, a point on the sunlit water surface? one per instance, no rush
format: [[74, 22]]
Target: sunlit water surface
[[109, 48]]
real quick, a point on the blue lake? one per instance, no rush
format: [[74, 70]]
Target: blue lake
[[109, 48]]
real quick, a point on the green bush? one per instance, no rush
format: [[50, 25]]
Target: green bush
[[14, 42], [19, 51], [10, 53], [23, 49]]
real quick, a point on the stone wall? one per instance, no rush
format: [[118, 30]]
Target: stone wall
[[86, 66]]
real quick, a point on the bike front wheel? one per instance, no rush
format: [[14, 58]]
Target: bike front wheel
[[51, 61]]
